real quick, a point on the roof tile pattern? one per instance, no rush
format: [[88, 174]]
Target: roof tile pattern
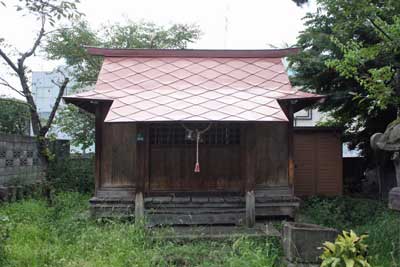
[[193, 89]]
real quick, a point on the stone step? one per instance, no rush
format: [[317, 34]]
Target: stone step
[[194, 211], [193, 199], [193, 205], [226, 218]]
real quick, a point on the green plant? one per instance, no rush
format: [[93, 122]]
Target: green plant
[[72, 174], [14, 116], [4, 235], [363, 216], [348, 250], [341, 212]]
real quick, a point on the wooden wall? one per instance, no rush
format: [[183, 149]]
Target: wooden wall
[[116, 150], [118, 157], [318, 161], [272, 154], [172, 168], [261, 158]]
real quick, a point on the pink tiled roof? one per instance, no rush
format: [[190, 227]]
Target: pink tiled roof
[[175, 88]]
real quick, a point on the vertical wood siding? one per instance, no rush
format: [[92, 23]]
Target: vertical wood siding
[[260, 160], [118, 162], [318, 161], [272, 154]]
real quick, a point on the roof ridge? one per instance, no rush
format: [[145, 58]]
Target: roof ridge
[[200, 53]]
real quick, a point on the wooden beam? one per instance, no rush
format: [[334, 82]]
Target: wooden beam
[[98, 146], [250, 209], [250, 172], [140, 157], [146, 174], [250, 157], [243, 163], [291, 165]]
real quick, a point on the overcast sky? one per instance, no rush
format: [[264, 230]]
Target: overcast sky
[[230, 24]]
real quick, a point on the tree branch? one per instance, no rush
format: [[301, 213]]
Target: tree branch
[[55, 107], [36, 43], [380, 29], [8, 60], [7, 84], [57, 30]]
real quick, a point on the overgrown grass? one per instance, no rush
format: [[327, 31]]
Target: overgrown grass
[[63, 235], [362, 216], [35, 234]]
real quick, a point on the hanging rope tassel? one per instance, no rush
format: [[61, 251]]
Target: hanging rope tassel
[[197, 165], [198, 134]]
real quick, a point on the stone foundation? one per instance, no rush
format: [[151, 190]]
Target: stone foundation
[[107, 207], [187, 209]]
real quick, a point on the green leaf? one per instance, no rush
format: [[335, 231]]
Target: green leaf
[[349, 262]]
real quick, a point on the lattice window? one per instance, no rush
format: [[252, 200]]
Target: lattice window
[[176, 134], [2, 154], [29, 154]]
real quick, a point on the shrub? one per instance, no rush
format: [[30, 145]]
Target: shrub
[[361, 215], [348, 250], [72, 174], [341, 212]]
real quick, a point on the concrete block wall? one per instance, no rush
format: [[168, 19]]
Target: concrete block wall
[[19, 161]]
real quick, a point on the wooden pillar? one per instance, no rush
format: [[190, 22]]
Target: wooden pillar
[[142, 153], [98, 145], [139, 206], [290, 147], [249, 172], [141, 157], [146, 176], [250, 209]]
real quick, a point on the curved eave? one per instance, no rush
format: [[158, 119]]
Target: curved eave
[[299, 103], [87, 104]]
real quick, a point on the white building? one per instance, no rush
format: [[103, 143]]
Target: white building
[[45, 91], [307, 118]]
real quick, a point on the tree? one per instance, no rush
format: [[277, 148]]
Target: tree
[[78, 124], [48, 13], [14, 116], [69, 44], [374, 65], [345, 55]]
